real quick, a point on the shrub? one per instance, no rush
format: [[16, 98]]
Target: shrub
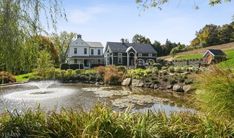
[[70, 73], [6, 77], [101, 70], [171, 69], [64, 66], [172, 81], [157, 65], [78, 71], [113, 76], [216, 92], [122, 69], [74, 66], [136, 73]]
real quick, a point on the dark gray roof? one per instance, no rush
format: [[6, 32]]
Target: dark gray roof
[[122, 47], [217, 52], [95, 44]]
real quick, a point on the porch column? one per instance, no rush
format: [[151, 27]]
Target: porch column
[[135, 60], [106, 58], [112, 58], [127, 59]]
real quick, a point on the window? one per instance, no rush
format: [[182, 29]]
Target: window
[[75, 50], [85, 51], [75, 61], [119, 54], [150, 55], [139, 54], [99, 61], [99, 52], [119, 60], [92, 51]]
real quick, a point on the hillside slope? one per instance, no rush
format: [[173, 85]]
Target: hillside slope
[[197, 53]]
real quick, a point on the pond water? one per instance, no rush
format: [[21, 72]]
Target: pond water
[[50, 95]]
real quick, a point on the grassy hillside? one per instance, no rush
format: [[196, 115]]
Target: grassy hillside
[[197, 53], [230, 62]]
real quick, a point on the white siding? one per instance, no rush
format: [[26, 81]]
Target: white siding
[[96, 51], [81, 45]]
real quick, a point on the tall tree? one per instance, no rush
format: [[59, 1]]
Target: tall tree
[[21, 19], [157, 46], [61, 42], [140, 39], [212, 35]]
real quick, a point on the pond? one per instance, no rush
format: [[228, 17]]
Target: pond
[[50, 95]]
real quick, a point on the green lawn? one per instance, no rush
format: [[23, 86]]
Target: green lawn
[[188, 56], [230, 62], [23, 77]]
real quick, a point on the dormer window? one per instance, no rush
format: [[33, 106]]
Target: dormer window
[[150, 55]]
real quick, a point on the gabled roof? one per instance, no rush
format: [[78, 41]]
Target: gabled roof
[[95, 44], [215, 52], [79, 42], [122, 47]]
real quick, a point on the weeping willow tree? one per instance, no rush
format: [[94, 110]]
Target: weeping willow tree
[[158, 3], [19, 21]]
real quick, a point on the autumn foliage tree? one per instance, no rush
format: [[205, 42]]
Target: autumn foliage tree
[[212, 35]]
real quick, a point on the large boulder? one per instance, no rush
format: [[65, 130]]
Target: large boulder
[[127, 82], [177, 88], [187, 88]]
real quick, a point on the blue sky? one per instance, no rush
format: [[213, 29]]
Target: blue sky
[[111, 20]]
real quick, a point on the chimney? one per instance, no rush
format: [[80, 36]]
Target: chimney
[[122, 40], [79, 36]]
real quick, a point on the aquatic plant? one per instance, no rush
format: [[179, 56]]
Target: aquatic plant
[[103, 122]]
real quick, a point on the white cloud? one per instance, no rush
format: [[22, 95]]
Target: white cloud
[[81, 16]]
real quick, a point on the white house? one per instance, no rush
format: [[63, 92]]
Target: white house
[[86, 54]]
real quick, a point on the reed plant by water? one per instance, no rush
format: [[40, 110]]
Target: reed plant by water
[[104, 123], [215, 93]]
